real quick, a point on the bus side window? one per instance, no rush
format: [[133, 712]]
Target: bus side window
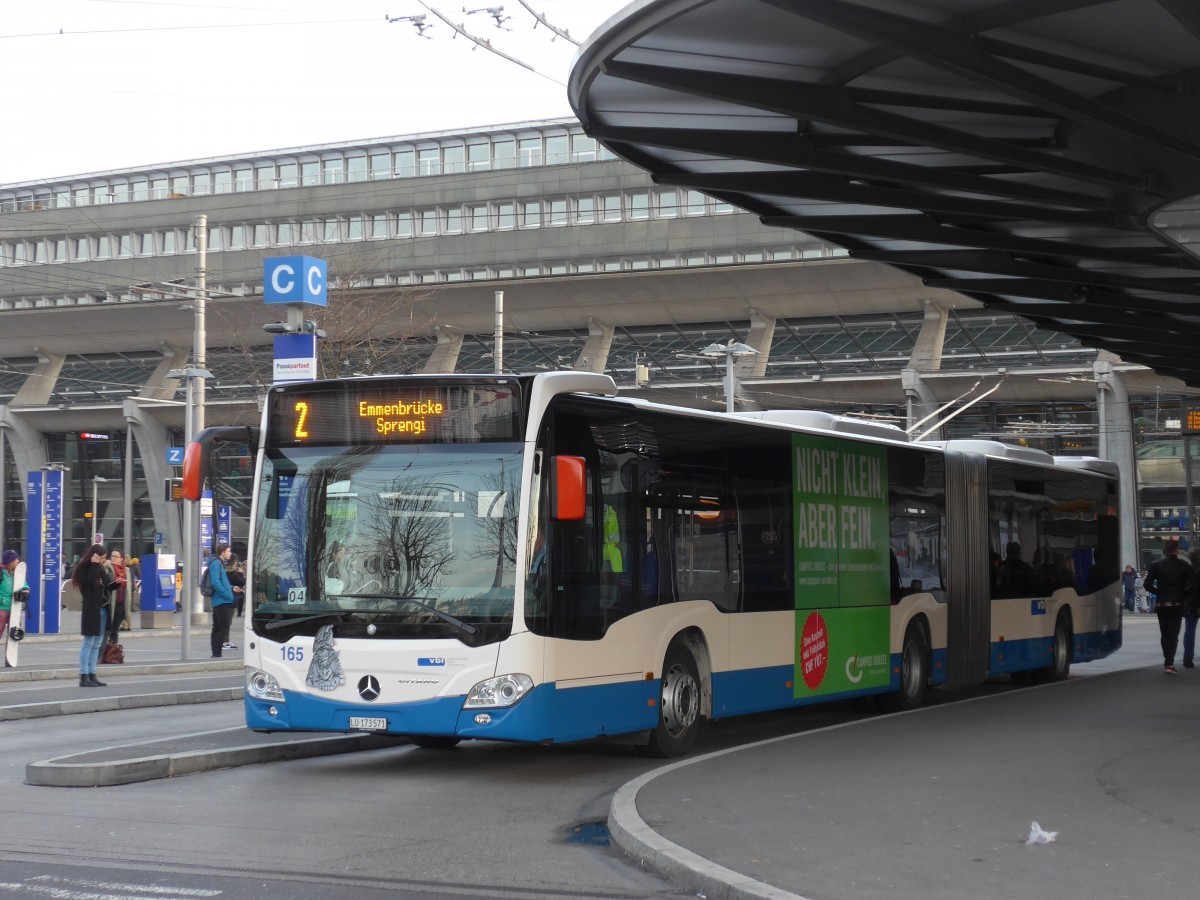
[[619, 501]]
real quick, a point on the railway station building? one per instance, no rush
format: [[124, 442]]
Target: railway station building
[[602, 268]]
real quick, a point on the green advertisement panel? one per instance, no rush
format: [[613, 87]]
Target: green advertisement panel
[[840, 650], [840, 510]]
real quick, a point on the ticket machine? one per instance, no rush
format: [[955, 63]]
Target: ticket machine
[[158, 590]]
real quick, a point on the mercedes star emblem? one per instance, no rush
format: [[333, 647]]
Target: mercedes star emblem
[[368, 687]]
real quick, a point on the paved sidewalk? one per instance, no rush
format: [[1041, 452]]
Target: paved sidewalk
[[154, 674], [938, 803], [46, 680]]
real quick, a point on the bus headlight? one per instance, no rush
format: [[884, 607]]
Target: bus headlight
[[262, 686], [496, 692]]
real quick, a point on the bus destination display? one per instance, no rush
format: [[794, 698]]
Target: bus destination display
[[402, 413]]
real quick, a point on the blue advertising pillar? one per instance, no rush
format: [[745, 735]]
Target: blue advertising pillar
[[43, 542]]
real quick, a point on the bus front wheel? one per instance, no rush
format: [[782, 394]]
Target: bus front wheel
[[678, 706]]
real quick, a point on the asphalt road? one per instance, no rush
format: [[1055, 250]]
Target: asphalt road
[[484, 820]]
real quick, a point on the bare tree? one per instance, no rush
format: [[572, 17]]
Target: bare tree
[[368, 330], [408, 528], [498, 523]]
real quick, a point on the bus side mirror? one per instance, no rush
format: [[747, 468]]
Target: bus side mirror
[[194, 470], [569, 488], [196, 457]]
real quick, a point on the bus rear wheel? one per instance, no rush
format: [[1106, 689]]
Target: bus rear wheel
[[435, 741], [1060, 662], [679, 717], [914, 672]]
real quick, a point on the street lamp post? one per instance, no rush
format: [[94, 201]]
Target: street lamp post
[[729, 350], [193, 377], [96, 479]]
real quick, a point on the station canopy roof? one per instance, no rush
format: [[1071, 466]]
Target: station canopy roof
[[1040, 156]]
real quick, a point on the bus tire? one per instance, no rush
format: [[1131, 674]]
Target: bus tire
[[679, 718], [914, 672], [435, 741], [1060, 663]]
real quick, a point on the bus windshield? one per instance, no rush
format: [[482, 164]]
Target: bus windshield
[[412, 540]]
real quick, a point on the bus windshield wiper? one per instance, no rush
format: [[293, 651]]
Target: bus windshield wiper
[[283, 623], [458, 623]]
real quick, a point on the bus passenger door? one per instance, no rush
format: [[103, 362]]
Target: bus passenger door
[[968, 570], [591, 590]]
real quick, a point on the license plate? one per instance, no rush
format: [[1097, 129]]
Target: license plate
[[363, 723]]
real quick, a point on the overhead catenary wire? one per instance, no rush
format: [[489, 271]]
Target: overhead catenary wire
[[542, 20], [487, 45]]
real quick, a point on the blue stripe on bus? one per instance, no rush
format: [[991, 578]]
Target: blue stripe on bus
[[302, 712], [583, 713], [1036, 653], [570, 714], [545, 714]]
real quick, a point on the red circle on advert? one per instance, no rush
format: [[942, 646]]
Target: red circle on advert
[[814, 651]]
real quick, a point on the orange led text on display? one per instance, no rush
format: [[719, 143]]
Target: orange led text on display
[[301, 418], [1193, 422], [401, 417]]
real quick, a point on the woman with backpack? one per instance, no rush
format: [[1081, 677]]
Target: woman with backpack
[[222, 600]]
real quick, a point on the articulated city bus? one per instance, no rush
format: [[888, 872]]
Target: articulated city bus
[[531, 558]]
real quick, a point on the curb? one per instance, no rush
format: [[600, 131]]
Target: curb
[[162, 668], [677, 864], [124, 701], [57, 773]]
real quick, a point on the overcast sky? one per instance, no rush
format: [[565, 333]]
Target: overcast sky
[[92, 85]]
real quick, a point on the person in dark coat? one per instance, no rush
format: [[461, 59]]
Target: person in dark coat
[[89, 577], [1129, 586], [236, 573], [1191, 612], [1171, 580]]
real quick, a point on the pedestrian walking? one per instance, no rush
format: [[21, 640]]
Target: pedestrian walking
[[1129, 583], [222, 601], [88, 576], [1141, 599], [1172, 582], [1191, 612]]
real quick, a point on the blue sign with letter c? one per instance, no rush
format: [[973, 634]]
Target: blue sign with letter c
[[294, 279]]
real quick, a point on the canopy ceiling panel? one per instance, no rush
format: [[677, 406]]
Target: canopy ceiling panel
[[1040, 156]]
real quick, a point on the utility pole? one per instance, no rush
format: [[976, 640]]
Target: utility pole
[[191, 602]]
